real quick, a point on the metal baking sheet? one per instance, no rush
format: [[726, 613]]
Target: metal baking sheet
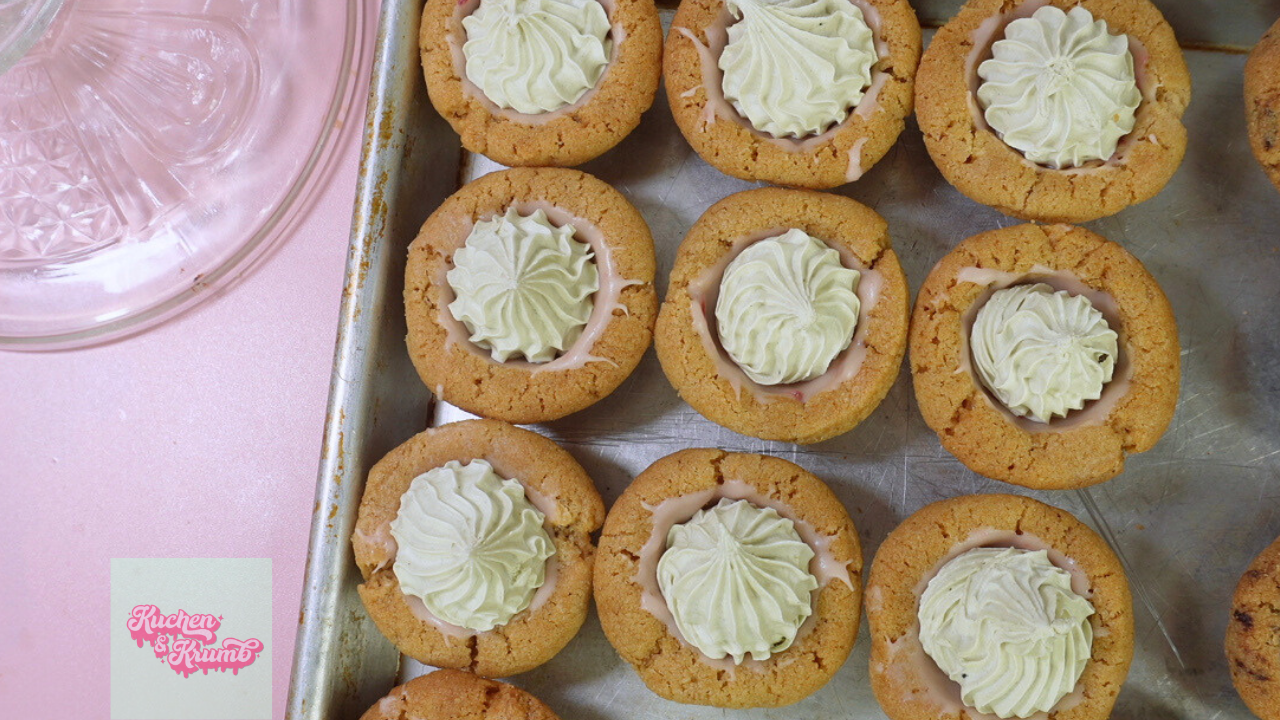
[[1186, 517]]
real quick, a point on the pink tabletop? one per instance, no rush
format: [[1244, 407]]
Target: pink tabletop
[[199, 438]]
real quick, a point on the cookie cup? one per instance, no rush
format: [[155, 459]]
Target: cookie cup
[[571, 135], [859, 377], [616, 335], [554, 482], [1262, 102], [728, 142], [908, 683], [457, 695], [633, 613], [1090, 445], [973, 158], [1253, 634]]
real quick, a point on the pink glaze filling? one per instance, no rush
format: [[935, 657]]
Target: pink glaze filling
[[1094, 412], [605, 301], [908, 659], [677, 510], [717, 34], [456, 37], [992, 29], [704, 291]]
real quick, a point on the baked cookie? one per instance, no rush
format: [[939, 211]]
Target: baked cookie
[[1055, 614], [1262, 102], [1011, 122], [457, 695], [808, 93], [541, 82], [529, 294], [1044, 355], [729, 579], [786, 314], [1253, 635], [524, 509]]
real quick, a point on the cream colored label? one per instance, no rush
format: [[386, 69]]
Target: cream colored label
[[1006, 626], [524, 287], [1042, 353], [787, 307], [736, 580], [1059, 88], [536, 56], [470, 545], [794, 68]]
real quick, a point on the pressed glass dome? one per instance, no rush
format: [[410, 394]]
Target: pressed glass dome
[[151, 149]]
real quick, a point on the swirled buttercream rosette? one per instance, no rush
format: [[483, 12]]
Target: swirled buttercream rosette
[[1005, 625], [470, 545], [1043, 353], [794, 68], [1060, 88], [536, 56], [736, 580], [787, 307], [523, 286]]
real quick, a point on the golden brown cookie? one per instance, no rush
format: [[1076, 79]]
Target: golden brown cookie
[[571, 135], [611, 344], [726, 140], [554, 482], [859, 378], [457, 695], [1262, 102], [908, 684], [1088, 446], [1253, 635], [634, 536], [974, 159]]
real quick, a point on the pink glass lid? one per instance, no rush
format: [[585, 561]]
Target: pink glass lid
[[151, 149]]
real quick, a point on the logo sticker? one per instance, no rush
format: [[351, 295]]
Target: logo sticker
[[191, 638], [187, 642]]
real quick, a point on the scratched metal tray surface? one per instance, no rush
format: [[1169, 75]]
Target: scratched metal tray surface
[[1186, 517]]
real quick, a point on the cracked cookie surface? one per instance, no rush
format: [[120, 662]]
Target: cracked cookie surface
[[699, 375], [570, 136], [979, 432], [903, 676], [676, 670], [461, 373], [457, 695], [1253, 635], [534, 635], [1262, 102], [835, 157], [980, 165]]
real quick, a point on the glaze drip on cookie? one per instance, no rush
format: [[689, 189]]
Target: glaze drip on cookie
[[787, 307], [1005, 625], [1043, 353], [736, 580], [794, 68], [471, 546], [524, 286], [536, 56], [1059, 88]]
